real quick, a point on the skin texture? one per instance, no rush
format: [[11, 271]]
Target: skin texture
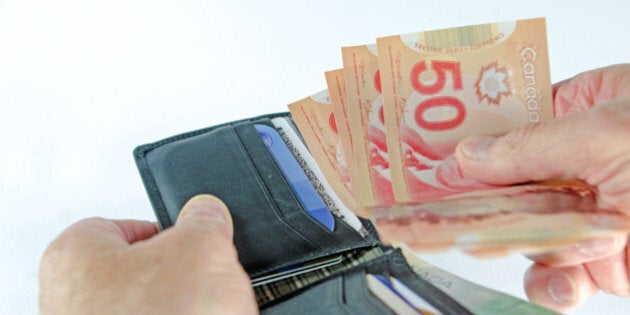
[[590, 141], [100, 266]]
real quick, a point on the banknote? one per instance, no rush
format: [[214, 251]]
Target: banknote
[[398, 110], [337, 93], [527, 218], [441, 86], [316, 121], [365, 107]]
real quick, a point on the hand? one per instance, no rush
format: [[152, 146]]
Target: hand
[[100, 266], [589, 141]]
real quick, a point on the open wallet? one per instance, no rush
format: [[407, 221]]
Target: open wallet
[[301, 258]]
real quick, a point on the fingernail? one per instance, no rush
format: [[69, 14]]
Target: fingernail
[[205, 206], [561, 288], [478, 147], [596, 247]]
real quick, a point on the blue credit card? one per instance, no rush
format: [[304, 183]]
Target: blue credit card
[[388, 284], [408, 296], [301, 185]]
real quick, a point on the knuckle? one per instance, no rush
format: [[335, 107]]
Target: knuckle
[[67, 244]]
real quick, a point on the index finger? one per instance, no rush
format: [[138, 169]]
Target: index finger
[[589, 146], [583, 251], [94, 236], [592, 87], [134, 230], [96, 232]]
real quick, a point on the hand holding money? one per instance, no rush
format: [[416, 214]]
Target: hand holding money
[[398, 108], [588, 141]]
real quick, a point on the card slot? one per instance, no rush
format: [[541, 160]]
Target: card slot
[[288, 205], [343, 230]]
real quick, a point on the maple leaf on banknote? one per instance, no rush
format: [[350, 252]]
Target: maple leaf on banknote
[[493, 84]]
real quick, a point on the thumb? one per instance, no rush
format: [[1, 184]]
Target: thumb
[[205, 214], [587, 146]]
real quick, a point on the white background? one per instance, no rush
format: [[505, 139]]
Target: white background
[[83, 82]]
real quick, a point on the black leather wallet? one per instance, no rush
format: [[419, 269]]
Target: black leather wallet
[[272, 230]]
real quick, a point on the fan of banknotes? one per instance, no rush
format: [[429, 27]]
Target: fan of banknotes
[[384, 132]]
